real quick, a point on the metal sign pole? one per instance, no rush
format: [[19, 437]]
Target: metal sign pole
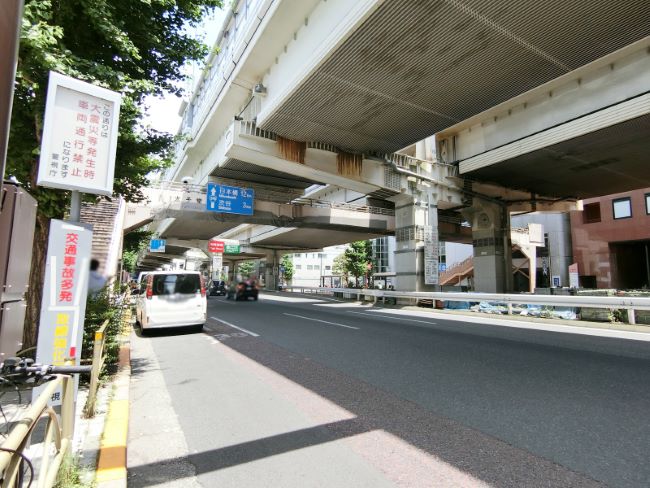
[[75, 206]]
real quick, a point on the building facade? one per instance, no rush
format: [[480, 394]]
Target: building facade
[[314, 268], [554, 258], [611, 241]]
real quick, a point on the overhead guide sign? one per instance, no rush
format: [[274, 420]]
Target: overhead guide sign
[[229, 199]]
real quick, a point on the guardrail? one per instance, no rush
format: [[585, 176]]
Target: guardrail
[[98, 364], [627, 303], [58, 437]]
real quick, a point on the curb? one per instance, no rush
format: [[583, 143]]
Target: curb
[[111, 465]]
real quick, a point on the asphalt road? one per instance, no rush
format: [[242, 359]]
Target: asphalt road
[[294, 391]]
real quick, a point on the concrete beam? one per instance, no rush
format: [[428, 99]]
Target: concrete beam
[[605, 82], [320, 164]]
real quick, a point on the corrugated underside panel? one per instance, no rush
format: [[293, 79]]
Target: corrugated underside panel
[[415, 68], [236, 169]]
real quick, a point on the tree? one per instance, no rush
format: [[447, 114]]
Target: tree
[[134, 242], [287, 265], [340, 268], [358, 259], [137, 48], [245, 268]]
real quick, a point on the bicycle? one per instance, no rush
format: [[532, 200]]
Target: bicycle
[[24, 371]]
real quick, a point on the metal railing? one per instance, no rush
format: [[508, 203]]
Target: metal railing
[[98, 364], [58, 437], [626, 303]]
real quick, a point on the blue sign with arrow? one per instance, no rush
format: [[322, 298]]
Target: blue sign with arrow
[[230, 199], [157, 245]]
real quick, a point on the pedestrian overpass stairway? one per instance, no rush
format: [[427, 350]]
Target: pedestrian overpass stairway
[[458, 272], [106, 217]]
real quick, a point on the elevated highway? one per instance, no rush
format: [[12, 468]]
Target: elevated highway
[[535, 105]]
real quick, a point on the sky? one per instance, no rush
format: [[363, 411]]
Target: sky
[[163, 112]]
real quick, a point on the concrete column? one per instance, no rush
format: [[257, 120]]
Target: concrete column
[[271, 271], [492, 246], [412, 216]]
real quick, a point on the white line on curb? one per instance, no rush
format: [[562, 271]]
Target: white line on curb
[[323, 321], [235, 327]]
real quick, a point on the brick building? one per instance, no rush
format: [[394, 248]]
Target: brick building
[[611, 241]]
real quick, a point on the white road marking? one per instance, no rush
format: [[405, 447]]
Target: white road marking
[[235, 327], [323, 321], [394, 318]]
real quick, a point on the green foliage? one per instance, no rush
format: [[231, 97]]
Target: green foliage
[[245, 268], [358, 259], [136, 48], [100, 307], [69, 475], [287, 264], [129, 261], [340, 267], [134, 242]]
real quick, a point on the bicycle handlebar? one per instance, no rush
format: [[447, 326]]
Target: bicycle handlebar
[[49, 369], [26, 368]]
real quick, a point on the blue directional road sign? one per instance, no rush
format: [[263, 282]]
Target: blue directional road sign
[[157, 245], [230, 199]]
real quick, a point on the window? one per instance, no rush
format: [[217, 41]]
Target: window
[[591, 213], [298, 266], [327, 268], [321, 255], [310, 267], [296, 255], [316, 267], [175, 283], [647, 203], [622, 208]]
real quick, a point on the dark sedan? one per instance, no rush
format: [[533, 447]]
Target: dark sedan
[[246, 290], [217, 288]]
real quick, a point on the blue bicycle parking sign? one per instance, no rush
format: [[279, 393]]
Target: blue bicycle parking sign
[[230, 199]]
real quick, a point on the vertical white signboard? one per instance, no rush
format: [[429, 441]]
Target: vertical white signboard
[[79, 136], [63, 305], [431, 258], [574, 276], [217, 266]]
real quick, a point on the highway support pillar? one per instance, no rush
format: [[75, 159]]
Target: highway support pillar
[[492, 246], [415, 218], [271, 270]]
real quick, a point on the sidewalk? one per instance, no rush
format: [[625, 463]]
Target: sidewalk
[[100, 442]]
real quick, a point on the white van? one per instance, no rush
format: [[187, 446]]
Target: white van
[[171, 299]]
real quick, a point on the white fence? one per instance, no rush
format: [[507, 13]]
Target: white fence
[[626, 303]]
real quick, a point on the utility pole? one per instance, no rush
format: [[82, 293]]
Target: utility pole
[[10, 15]]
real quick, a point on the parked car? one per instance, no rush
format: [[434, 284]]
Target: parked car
[[171, 299], [217, 288], [245, 290]]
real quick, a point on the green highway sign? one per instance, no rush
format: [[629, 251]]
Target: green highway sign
[[231, 249]]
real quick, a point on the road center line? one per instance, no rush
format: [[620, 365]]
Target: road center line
[[323, 321], [391, 317], [235, 327]]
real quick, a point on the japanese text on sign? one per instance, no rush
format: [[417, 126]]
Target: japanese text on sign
[[229, 199], [79, 136], [64, 295]]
